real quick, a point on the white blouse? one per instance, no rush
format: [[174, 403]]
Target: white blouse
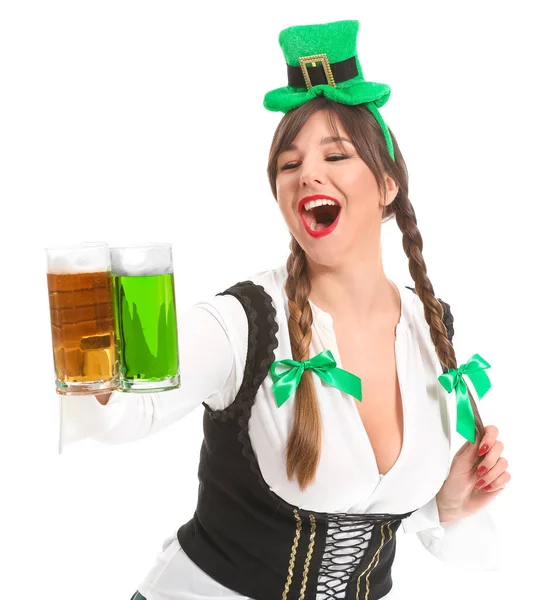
[[219, 325]]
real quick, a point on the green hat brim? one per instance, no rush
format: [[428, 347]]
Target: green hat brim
[[362, 92]]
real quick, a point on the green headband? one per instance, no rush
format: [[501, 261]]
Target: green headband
[[322, 61]]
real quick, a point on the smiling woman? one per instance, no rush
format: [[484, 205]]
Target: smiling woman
[[369, 188], [325, 385]]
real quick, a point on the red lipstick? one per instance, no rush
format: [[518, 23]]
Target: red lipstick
[[301, 210]]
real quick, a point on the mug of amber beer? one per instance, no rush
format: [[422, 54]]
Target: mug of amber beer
[[79, 282], [145, 317]]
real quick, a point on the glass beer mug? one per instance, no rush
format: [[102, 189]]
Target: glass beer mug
[[145, 317], [81, 307]]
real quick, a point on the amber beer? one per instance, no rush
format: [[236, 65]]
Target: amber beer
[[82, 319]]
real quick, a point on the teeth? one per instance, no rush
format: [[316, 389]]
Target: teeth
[[321, 202], [313, 226]]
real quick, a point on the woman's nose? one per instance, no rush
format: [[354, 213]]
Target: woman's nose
[[311, 174]]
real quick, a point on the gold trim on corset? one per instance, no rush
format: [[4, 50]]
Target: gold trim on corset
[[309, 555], [370, 568], [292, 556]]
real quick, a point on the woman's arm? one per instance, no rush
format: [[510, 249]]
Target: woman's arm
[[212, 352]]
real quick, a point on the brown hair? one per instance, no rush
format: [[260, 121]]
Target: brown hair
[[304, 444]]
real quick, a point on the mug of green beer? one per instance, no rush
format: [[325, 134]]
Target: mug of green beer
[[81, 309], [145, 317]]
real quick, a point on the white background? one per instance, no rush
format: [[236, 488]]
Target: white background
[[128, 121]]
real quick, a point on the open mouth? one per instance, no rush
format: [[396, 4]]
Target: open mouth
[[320, 215]]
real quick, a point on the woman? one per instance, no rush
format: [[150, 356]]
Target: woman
[[327, 424]]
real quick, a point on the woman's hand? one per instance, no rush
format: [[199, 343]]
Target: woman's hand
[[467, 489]]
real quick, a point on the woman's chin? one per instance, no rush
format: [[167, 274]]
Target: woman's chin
[[325, 257], [328, 251]]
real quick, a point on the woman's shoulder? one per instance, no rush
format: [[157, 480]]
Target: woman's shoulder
[[227, 305], [272, 280], [265, 288], [417, 309]]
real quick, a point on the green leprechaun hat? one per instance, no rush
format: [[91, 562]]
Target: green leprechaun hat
[[322, 61]]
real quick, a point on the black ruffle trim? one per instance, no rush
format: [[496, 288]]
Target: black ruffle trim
[[251, 382], [253, 375]]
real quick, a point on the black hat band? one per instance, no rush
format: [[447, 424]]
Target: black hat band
[[341, 71]]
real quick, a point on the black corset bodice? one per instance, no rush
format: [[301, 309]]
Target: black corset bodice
[[248, 538]]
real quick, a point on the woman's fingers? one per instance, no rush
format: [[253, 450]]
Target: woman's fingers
[[492, 476], [497, 483], [490, 459], [492, 473], [488, 440], [467, 452]]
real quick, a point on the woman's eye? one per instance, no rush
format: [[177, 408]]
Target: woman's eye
[[333, 157]]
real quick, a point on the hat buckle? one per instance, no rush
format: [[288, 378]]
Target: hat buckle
[[313, 60]]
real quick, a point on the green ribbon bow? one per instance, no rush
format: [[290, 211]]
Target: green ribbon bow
[[453, 380], [324, 365]]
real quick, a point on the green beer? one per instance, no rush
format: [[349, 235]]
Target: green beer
[[145, 318]]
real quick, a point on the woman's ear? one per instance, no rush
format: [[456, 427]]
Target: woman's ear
[[392, 190]]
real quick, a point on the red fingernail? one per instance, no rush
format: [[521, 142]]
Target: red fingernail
[[481, 471], [483, 449], [479, 484], [486, 488]]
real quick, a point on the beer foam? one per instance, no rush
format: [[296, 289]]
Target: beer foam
[[142, 260], [89, 257]]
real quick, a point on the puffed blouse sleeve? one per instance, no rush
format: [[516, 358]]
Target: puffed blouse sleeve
[[471, 542], [212, 342]]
